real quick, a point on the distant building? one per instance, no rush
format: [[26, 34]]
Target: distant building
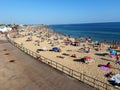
[[4, 29]]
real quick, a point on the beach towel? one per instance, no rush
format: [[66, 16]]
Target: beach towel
[[43, 48], [113, 56], [104, 68], [115, 78]]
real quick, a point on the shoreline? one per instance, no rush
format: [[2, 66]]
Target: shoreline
[[95, 31]]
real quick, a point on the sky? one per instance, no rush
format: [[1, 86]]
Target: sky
[[59, 11]]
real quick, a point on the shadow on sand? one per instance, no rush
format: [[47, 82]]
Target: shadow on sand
[[106, 59], [100, 54], [79, 60]]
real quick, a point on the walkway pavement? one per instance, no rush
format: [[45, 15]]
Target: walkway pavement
[[18, 71]]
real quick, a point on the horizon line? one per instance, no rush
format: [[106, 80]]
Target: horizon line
[[64, 23]]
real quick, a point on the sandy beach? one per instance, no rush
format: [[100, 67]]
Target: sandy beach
[[19, 71], [46, 39]]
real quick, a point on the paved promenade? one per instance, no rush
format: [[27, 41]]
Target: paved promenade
[[19, 71]]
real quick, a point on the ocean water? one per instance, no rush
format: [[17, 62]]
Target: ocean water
[[97, 31]]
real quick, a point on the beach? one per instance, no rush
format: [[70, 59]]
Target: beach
[[18, 71], [46, 39], [80, 39]]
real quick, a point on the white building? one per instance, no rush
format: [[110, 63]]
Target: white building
[[4, 29]]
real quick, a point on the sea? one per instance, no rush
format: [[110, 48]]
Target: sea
[[96, 31]]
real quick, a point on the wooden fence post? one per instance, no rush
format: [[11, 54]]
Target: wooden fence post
[[71, 72], [51, 62], [83, 76], [80, 76], [56, 65], [63, 68], [106, 87], [94, 82]]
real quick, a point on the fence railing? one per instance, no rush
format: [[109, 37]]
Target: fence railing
[[75, 74]]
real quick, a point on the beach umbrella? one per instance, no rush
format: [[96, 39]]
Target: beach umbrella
[[88, 58], [112, 51], [55, 49]]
